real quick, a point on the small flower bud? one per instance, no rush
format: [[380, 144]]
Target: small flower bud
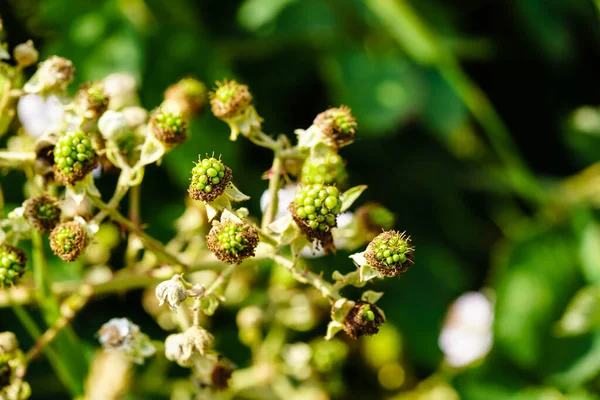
[[232, 103], [232, 242], [315, 209], [112, 125], [12, 264], [25, 54], [337, 125], [52, 76], [198, 339], [69, 240], [390, 253], [210, 178], [43, 212], [8, 343], [123, 336], [168, 127], [188, 96], [74, 157], [172, 291], [327, 170], [364, 319], [92, 100]]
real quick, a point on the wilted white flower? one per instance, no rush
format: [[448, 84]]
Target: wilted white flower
[[39, 115], [121, 89], [112, 124], [182, 347], [467, 334], [135, 116], [286, 196], [122, 335], [52, 76], [172, 291]]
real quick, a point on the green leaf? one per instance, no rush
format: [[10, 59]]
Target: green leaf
[[583, 312], [351, 195]]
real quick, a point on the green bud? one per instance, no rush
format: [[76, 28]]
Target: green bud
[[364, 319], [328, 170], [43, 212], [92, 100], [12, 264], [210, 178], [315, 209], [168, 127], [390, 253], [232, 242], [69, 240], [337, 125], [74, 157], [229, 99]]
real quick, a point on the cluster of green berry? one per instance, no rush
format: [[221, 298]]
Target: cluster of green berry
[[210, 177], [168, 127], [317, 206], [230, 99], [328, 170], [69, 240], [390, 253], [189, 94], [337, 125], [364, 319], [232, 242], [42, 212], [74, 157], [12, 264]]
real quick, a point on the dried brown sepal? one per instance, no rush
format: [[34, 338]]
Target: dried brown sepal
[[324, 238], [394, 269], [69, 240], [93, 99], [216, 191], [221, 374], [364, 319], [236, 99], [76, 175], [338, 125], [43, 212], [233, 255]]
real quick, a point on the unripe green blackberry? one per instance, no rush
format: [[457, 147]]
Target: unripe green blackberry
[[210, 177], [42, 212], [338, 125], [315, 209], [328, 170], [74, 157], [69, 240], [230, 99], [12, 264], [364, 319], [188, 95], [232, 242], [5, 371], [390, 253], [92, 100], [168, 127]]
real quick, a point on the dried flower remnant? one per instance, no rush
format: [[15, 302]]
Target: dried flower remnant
[[43, 212], [69, 240], [232, 242], [364, 319], [168, 127], [172, 291], [123, 336]]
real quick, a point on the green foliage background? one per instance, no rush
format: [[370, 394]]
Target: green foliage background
[[428, 146]]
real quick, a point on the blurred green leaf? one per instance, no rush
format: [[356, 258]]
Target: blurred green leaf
[[583, 312]]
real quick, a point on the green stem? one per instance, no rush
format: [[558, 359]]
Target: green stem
[[273, 192], [55, 360], [113, 203], [134, 216], [16, 159], [308, 277]]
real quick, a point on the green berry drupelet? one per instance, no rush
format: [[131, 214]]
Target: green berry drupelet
[[69, 240], [168, 127], [74, 157], [43, 212], [232, 242], [189, 93], [390, 253], [12, 264], [338, 125], [230, 99], [210, 177], [328, 170], [92, 99], [315, 209], [364, 319]]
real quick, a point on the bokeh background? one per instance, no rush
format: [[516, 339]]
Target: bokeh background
[[465, 132]]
